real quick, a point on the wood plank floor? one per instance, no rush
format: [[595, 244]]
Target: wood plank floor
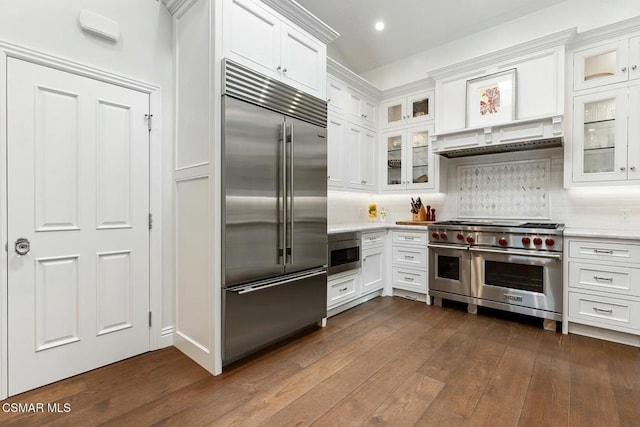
[[388, 362]]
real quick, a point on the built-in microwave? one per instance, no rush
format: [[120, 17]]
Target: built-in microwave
[[344, 252]]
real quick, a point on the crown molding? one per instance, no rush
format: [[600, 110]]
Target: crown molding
[[174, 5], [409, 88], [300, 16], [606, 33], [346, 75], [553, 40]]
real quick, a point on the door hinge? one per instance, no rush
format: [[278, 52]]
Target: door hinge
[[149, 319], [149, 118], [150, 221]]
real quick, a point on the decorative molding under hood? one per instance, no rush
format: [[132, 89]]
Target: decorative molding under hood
[[519, 135]]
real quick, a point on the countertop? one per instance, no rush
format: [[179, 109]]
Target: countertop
[[372, 226], [602, 233]]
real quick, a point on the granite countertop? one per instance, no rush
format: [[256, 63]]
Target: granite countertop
[[602, 233], [372, 226]]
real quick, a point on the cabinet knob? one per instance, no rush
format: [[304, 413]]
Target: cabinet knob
[[328, 99], [633, 168], [284, 70], [634, 67], [279, 67], [328, 176], [622, 169], [623, 69]]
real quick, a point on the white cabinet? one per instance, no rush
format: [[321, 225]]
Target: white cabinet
[[606, 128], [373, 261], [409, 262], [362, 109], [337, 96], [408, 110], [603, 287], [350, 288], [336, 140], [255, 36], [608, 63], [362, 148], [409, 161]]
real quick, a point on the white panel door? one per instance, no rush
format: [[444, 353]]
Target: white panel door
[[78, 190], [304, 62], [336, 139]]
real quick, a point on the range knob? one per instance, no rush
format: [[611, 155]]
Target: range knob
[[502, 242], [549, 242], [443, 235], [460, 236], [470, 239], [526, 240], [537, 241], [435, 235]]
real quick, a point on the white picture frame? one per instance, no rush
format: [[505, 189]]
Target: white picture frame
[[491, 99]]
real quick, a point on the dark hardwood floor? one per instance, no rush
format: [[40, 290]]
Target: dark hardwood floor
[[387, 362]]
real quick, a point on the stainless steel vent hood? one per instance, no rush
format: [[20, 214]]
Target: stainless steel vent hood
[[519, 135]]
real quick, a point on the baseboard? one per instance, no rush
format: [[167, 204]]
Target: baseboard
[[604, 334], [415, 296], [351, 304], [166, 337]]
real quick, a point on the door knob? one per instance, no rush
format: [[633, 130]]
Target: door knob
[[22, 246]]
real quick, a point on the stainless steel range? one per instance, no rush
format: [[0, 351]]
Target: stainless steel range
[[510, 266]]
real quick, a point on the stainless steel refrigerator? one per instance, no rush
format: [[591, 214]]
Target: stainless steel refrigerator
[[274, 211]]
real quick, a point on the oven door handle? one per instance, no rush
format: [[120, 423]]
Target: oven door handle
[[456, 247], [519, 253]]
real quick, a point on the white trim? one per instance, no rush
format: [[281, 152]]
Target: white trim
[[606, 33], [8, 50], [300, 16], [166, 338], [341, 72], [409, 88]]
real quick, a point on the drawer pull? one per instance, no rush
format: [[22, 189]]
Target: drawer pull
[[409, 279], [343, 289], [408, 257], [409, 238], [603, 251], [603, 279], [602, 310]]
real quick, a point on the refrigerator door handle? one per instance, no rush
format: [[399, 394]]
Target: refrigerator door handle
[[283, 196], [259, 287], [291, 197]]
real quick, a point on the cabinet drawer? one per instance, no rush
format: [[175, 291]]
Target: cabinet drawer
[[409, 279], [603, 311], [342, 289], [605, 278], [410, 238], [410, 257], [373, 239], [604, 251]]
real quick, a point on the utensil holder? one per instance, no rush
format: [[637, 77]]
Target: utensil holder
[[422, 214]]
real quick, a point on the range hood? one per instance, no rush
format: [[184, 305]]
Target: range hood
[[518, 135]]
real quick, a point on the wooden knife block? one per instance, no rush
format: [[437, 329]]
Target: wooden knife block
[[421, 215]]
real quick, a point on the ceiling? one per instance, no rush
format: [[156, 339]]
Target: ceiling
[[411, 26]]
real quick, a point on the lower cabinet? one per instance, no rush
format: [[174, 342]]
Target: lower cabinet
[[409, 264], [603, 288], [350, 288]]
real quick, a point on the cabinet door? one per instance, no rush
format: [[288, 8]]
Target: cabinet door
[[369, 109], [633, 150], [600, 136], [342, 289], [420, 164], [394, 112], [601, 65], [356, 111], [337, 96], [336, 130], [634, 58], [394, 149], [368, 163], [420, 107], [355, 134], [372, 269], [304, 62], [252, 36]]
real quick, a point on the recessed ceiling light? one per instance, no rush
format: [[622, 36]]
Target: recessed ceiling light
[[379, 25]]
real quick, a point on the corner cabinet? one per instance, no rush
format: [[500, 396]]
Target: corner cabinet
[[606, 136], [409, 160], [408, 110], [255, 36]]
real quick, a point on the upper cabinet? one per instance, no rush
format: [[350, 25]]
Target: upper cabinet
[[608, 63], [257, 37], [408, 110], [362, 109]]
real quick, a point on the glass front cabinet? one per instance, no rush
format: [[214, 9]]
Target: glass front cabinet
[[409, 160], [606, 133], [408, 110], [608, 63]]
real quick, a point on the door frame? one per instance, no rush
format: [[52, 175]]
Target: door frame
[[9, 50]]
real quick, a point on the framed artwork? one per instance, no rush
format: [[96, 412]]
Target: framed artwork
[[491, 99]]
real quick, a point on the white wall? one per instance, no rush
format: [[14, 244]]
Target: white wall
[[583, 14], [144, 52]]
